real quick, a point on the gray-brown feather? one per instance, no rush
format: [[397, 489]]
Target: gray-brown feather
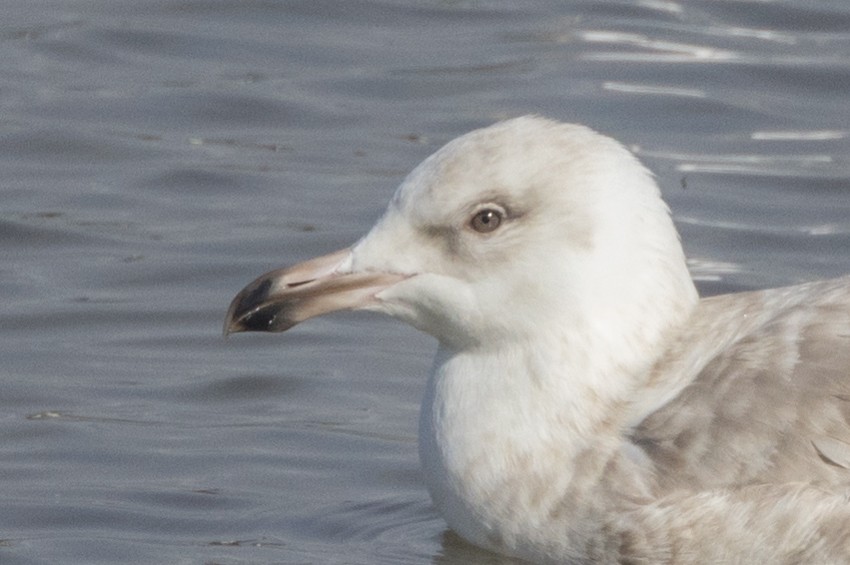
[[769, 407]]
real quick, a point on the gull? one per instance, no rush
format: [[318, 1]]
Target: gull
[[585, 405]]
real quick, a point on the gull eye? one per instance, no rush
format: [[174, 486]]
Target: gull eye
[[486, 220]]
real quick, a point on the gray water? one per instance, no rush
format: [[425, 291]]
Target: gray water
[[155, 156]]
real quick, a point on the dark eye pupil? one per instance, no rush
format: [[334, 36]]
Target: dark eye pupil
[[486, 221]]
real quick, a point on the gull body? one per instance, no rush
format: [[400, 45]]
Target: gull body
[[584, 404]]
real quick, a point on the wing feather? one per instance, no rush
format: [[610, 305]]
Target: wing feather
[[766, 398]]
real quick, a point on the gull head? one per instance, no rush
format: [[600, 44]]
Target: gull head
[[526, 227]]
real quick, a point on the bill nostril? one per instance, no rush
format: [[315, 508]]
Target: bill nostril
[[299, 283]]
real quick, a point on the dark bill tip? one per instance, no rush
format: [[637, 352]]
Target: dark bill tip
[[253, 310], [268, 318]]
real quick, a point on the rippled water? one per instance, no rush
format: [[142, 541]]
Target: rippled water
[[157, 155]]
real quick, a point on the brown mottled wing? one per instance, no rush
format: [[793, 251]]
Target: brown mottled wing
[[769, 399]]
